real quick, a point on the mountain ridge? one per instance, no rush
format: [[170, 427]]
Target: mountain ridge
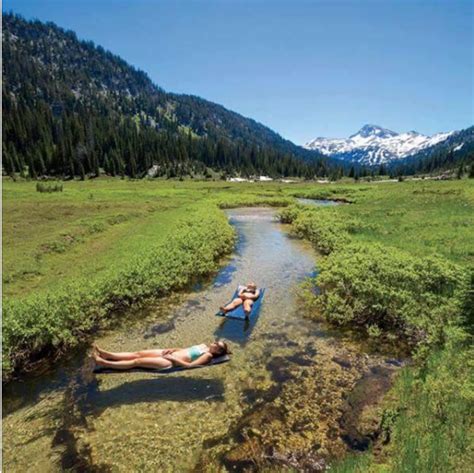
[[72, 108], [374, 145]]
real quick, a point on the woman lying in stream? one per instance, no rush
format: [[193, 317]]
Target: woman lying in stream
[[247, 295], [161, 358]]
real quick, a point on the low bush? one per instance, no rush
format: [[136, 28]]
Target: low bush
[[60, 317], [252, 200], [325, 228], [49, 187], [385, 290]]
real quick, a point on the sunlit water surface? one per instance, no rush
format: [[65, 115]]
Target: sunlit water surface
[[319, 202]]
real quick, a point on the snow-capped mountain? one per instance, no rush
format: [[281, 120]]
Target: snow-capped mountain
[[373, 144]]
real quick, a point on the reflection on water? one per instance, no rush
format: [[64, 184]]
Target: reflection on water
[[141, 422], [318, 202]]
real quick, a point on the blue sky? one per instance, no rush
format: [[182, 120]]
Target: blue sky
[[304, 68]]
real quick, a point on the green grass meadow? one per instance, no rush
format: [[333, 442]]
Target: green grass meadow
[[396, 264], [93, 225]]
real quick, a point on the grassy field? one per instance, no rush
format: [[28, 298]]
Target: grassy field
[[90, 227], [421, 217], [397, 263], [94, 225]]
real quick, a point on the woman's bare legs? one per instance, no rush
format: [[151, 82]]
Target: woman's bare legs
[[235, 303], [248, 303], [148, 362], [127, 355]]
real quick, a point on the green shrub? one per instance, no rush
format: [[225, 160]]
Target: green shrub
[[49, 187], [325, 228], [60, 317], [289, 214], [384, 289], [250, 200]]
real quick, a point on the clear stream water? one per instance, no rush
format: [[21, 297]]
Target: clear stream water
[[319, 202], [69, 417]]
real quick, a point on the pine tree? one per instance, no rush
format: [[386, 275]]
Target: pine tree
[[72, 171], [8, 163], [107, 164], [31, 168], [82, 172], [133, 168]]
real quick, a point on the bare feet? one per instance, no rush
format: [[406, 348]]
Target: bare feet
[[98, 351], [98, 360]]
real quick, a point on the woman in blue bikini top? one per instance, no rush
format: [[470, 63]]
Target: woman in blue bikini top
[[161, 358]]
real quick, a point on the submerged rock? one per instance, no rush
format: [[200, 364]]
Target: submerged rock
[[361, 416], [342, 361]]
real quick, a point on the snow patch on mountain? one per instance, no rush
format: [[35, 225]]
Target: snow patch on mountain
[[373, 144]]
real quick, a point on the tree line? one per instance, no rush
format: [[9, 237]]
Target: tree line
[[72, 109]]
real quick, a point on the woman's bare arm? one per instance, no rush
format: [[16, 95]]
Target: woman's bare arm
[[255, 296], [204, 359]]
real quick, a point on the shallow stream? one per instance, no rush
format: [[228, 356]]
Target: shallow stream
[[70, 418]]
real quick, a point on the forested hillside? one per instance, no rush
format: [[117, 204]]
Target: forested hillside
[[73, 109], [456, 152]]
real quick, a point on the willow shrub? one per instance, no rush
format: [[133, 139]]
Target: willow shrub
[[49, 187], [59, 318], [386, 290], [325, 228]]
